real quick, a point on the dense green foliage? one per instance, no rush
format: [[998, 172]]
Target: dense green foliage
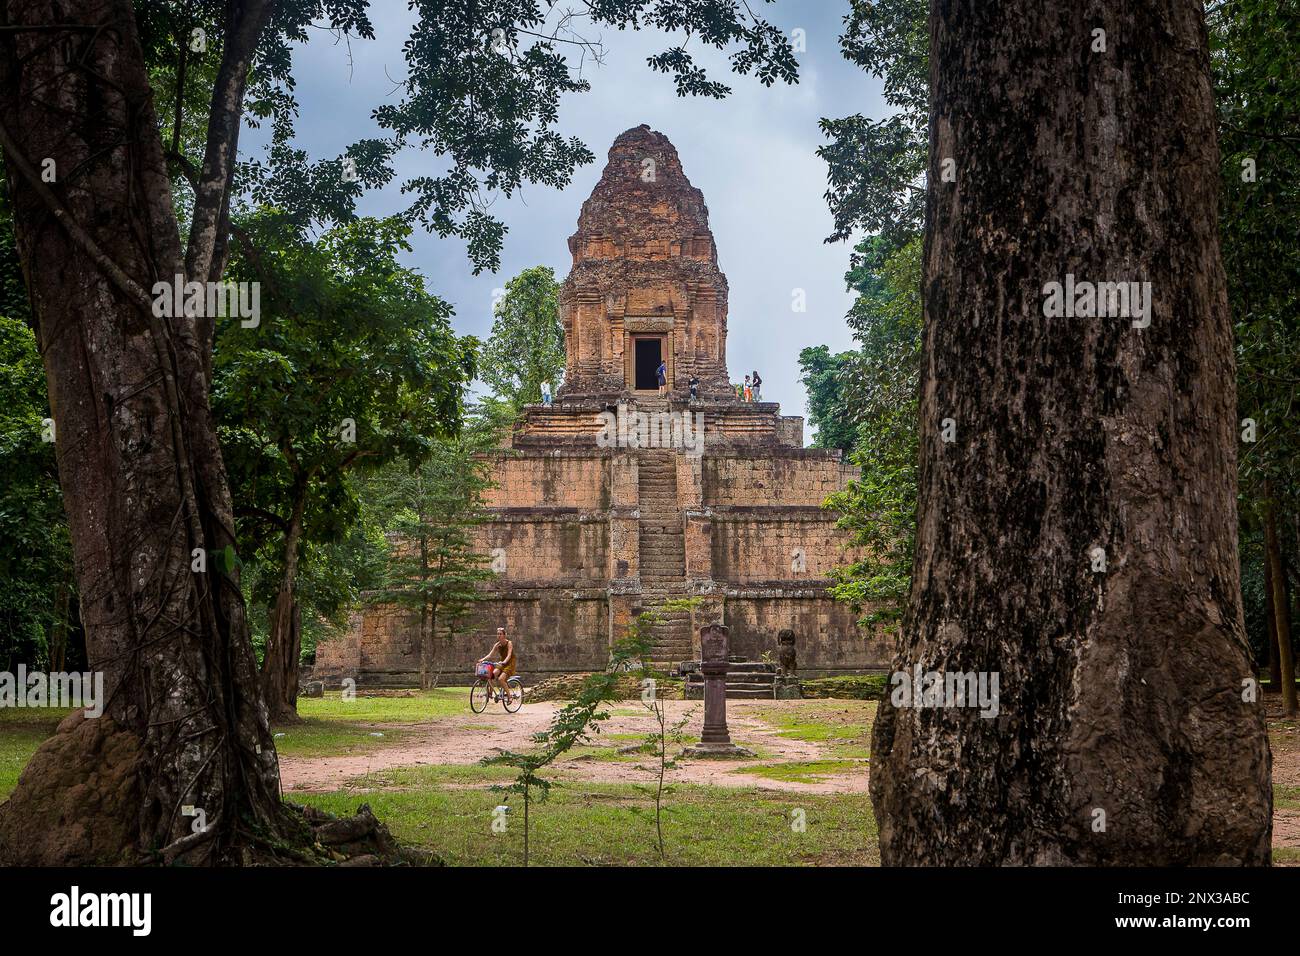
[[879, 384], [526, 347], [36, 561], [876, 168], [1257, 93], [36, 586], [822, 375], [866, 399], [352, 366]]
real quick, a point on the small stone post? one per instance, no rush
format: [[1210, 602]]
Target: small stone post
[[715, 741]]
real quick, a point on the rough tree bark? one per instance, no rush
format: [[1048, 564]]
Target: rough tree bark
[[1122, 735], [139, 464]]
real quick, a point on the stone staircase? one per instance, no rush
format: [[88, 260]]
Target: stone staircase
[[663, 557], [746, 680]]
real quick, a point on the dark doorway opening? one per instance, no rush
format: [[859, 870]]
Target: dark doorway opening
[[649, 353]]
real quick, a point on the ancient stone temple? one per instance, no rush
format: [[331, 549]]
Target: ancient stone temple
[[616, 499]]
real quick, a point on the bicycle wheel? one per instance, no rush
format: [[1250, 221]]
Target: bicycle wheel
[[512, 703], [478, 696]]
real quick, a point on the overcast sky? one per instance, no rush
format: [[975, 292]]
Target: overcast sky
[[753, 155]]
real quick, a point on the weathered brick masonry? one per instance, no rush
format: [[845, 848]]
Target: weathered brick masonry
[[586, 532]]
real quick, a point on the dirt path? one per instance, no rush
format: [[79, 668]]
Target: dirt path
[[468, 739]]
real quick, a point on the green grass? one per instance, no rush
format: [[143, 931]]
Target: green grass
[[843, 726], [32, 716], [425, 705], [595, 751], [429, 776], [1286, 798], [803, 771], [613, 824], [21, 732], [857, 687], [334, 727], [332, 738]]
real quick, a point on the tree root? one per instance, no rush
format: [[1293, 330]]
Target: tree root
[[77, 804]]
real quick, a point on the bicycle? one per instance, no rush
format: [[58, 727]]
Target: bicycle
[[482, 693]]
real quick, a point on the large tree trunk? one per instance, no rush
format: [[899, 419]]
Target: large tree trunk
[[1122, 736], [284, 641], [1281, 611], [283, 650], [139, 466]]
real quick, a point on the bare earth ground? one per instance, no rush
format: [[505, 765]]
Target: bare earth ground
[[469, 739]]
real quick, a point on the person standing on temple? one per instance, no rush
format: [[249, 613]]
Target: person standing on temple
[[546, 393], [662, 372], [748, 395], [755, 386], [695, 388]]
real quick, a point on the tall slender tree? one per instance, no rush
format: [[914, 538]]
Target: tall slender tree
[[1076, 527], [433, 567]]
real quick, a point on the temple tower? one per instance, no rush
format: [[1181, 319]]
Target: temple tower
[[645, 284]]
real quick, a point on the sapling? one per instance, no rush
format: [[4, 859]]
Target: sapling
[[575, 722]]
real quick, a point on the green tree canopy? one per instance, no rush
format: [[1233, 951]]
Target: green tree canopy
[[526, 347], [352, 365], [822, 375]]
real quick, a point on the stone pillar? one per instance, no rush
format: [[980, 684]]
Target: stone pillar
[[624, 547], [713, 665], [690, 478], [715, 740], [624, 525], [624, 472], [624, 605], [699, 548]]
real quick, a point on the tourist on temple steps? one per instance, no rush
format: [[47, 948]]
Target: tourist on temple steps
[[662, 372], [695, 388], [546, 393], [748, 395], [755, 386]]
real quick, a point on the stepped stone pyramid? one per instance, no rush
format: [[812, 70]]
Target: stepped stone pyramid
[[609, 501]]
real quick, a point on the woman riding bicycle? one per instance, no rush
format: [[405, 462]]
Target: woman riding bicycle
[[503, 667]]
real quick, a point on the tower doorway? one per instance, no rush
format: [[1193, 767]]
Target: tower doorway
[[647, 355]]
